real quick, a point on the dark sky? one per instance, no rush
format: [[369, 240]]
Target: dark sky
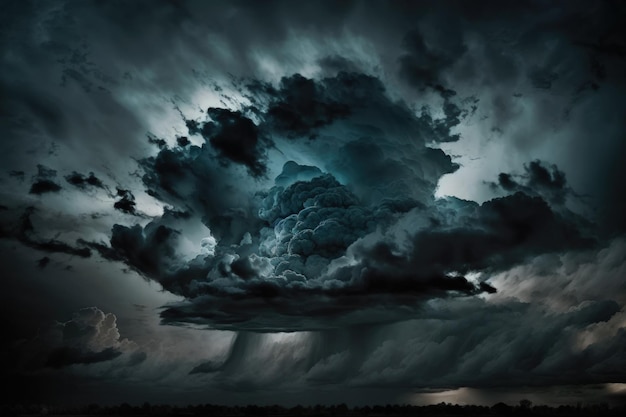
[[313, 202]]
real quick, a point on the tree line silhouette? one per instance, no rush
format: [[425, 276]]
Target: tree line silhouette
[[525, 407]]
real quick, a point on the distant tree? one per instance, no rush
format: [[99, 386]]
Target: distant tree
[[298, 410], [525, 404], [502, 408]]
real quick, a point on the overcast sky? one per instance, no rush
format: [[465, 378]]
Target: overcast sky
[[313, 202]]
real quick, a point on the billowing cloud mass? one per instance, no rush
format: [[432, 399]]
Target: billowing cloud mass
[[89, 337], [292, 255], [368, 194]]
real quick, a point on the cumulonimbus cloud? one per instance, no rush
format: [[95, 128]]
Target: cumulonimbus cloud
[[355, 238]]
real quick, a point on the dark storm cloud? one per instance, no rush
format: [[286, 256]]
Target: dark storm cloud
[[311, 248], [300, 105], [150, 250], [81, 181], [382, 142], [487, 238], [54, 246], [65, 356], [22, 230], [160, 143], [540, 71], [335, 63], [273, 247], [235, 137], [182, 141], [226, 207], [298, 231], [43, 262], [293, 172], [126, 202], [192, 178], [206, 368], [526, 352], [452, 342], [572, 69], [548, 181], [424, 61], [44, 186], [44, 181], [89, 337], [449, 347], [491, 237], [376, 177]]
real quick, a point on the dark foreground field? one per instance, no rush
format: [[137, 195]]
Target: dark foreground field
[[147, 410]]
